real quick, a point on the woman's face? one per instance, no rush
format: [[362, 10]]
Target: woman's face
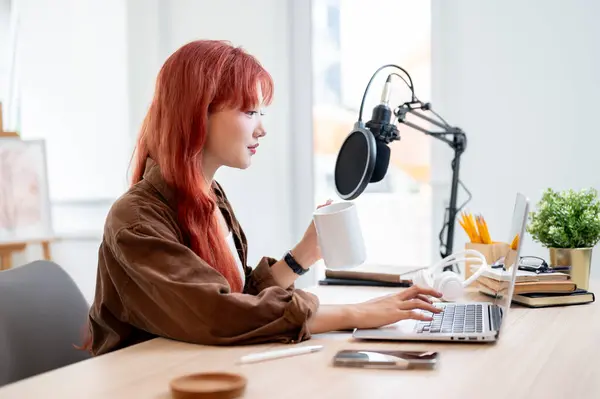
[[233, 137]]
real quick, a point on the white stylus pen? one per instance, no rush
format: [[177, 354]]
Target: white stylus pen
[[276, 354]]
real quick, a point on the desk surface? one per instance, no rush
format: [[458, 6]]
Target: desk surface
[[542, 353]]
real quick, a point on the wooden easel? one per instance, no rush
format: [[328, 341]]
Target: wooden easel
[[7, 249], [2, 132]]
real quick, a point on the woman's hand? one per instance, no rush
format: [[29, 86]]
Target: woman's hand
[[307, 251], [377, 312], [392, 308]]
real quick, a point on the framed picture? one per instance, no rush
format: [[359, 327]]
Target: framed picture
[[24, 196]]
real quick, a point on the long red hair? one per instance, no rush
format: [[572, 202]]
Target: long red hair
[[201, 77]]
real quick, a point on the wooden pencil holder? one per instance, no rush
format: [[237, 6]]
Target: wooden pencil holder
[[491, 252]]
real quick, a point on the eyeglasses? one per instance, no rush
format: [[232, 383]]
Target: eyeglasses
[[533, 264]]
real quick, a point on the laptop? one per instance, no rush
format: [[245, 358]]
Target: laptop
[[467, 321]]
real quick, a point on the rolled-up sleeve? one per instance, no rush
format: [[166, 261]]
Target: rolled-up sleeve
[[261, 277], [171, 292]]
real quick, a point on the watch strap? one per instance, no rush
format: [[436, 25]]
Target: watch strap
[[293, 264]]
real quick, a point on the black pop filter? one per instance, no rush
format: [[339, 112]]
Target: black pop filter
[[362, 160], [355, 163]]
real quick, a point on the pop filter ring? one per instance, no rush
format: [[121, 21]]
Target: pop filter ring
[[369, 167]]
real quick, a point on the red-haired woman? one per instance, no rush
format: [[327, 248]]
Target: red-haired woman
[[172, 262]]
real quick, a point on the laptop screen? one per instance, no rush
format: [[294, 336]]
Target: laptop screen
[[515, 239]]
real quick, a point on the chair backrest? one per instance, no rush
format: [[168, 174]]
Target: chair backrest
[[42, 314]]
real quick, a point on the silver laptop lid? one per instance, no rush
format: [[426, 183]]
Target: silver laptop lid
[[515, 240]]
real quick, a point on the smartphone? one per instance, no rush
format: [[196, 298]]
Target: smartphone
[[385, 359]]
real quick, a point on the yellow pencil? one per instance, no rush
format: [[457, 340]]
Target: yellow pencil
[[515, 242], [475, 229], [483, 230], [488, 237], [467, 230], [465, 225], [471, 228]]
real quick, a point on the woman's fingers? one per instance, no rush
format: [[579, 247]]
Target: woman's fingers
[[414, 315], [329, 202], [419, 304], [424, 298], [416, 290]]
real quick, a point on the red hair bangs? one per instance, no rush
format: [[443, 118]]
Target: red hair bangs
[[238, 87]]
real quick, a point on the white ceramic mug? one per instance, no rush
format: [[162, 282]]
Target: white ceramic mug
[[340, 235]]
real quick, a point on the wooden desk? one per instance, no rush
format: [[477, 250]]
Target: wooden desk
[[542, 353]]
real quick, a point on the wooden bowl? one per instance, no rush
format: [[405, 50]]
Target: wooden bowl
[[208, 386]]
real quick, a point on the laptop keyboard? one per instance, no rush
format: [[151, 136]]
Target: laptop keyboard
[[454, 318]]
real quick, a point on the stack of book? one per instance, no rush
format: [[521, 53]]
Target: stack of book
[[535, 289]]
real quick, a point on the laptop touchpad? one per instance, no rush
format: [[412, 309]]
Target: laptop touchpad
[[400, 328], [404, 326]]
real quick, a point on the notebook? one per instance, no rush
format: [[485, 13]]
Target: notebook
[[375, 272], [536, 300], [364, 283], [542, 300]]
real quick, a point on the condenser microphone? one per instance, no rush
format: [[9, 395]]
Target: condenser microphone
[[364, 156]]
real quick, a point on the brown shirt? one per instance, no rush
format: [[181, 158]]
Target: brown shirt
[[150, 283]]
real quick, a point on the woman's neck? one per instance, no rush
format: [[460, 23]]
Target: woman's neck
[[209, 169]]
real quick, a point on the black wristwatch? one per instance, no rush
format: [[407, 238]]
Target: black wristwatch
[[295, 266]]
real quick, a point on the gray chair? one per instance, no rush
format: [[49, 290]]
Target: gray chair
[[42, 315]]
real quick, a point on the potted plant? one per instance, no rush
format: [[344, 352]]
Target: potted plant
[[568, 224]]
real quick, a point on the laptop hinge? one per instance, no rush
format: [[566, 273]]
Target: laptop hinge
[[495, 317]]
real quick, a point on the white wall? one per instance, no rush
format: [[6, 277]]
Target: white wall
[[5, 6], [72, 64], [521, 78], [145, 37]]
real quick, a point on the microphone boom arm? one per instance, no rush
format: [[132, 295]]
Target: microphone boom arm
[[457, 140]]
